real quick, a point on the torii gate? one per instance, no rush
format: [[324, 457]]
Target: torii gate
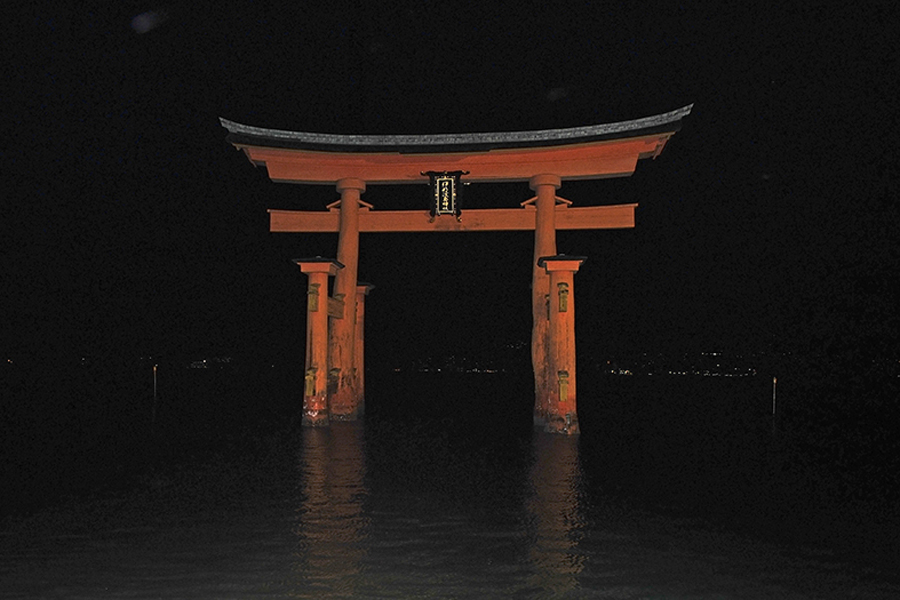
[[334, 334]]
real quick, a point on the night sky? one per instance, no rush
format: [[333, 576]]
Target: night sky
[[769, 223]]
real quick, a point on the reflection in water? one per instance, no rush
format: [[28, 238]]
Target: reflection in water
[[555, 480], [404, 512], [352, 543], [329, 520]]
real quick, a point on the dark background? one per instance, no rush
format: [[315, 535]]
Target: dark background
[[767, 228], [769, 223]]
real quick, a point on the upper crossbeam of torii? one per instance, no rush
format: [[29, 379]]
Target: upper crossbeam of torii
[[334, 343], [592, 152]]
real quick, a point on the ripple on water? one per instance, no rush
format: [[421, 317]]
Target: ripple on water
[[336, 520]]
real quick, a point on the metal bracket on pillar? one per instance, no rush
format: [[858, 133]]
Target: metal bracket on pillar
[[309, 382], [563, 290], [563, 385], [312, 297]]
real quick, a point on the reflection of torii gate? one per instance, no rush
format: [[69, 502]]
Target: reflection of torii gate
[[334, 346]]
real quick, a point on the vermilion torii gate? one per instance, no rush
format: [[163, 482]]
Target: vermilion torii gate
[[334, 386]]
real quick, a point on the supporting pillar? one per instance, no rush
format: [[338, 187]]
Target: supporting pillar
[[315, 389], [545, 187], [344, 398], [362, 290], [562, 415]]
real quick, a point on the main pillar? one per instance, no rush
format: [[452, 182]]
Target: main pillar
[[545, 187], [344, 400], [315, 389], [562, 415], [362, 290]]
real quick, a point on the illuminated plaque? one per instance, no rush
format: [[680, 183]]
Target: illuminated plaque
[[445, 192]]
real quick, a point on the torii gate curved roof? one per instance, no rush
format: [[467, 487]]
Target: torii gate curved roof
[[591, 152]]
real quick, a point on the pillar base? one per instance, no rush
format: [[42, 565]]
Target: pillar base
[[315, 421], [315, 417], [354, 415], [563, 424]]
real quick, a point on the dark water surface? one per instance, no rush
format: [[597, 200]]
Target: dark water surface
[[674, 490]]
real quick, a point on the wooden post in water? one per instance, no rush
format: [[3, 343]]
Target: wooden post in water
[[545, 187], [153, 412], [774, 418], [344, 401], [562, 413], [774, 382], [359, 366], [315, 389]]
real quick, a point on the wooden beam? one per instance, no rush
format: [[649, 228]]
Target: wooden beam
[[619, 216], [594, 160]]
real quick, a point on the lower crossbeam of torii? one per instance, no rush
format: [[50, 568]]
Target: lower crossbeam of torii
[[334, 364]]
